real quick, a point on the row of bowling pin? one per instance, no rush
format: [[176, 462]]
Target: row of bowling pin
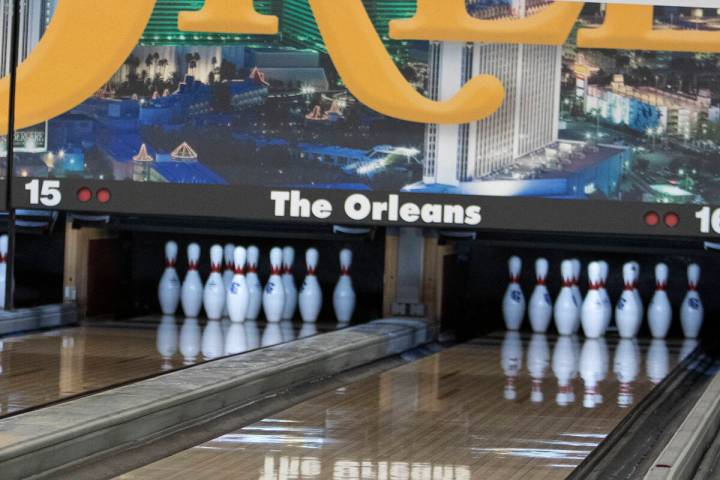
[[595, 312], [238, 293], [589, 360], [220, 338]]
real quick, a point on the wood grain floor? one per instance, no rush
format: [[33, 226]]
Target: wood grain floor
[[46, 367], [486, 410]]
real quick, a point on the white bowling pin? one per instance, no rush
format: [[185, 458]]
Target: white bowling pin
[[191, 296], [538, 361], [253, 281], [511, 353], [564, 366], [4, 239], [567, 308], [344, 294], [235, 339], [592, 312], [291, 293], [169, 287], [229, 271], [311, 296], [636, 290], [626, 366], [540, 308], [607, 304], [213, 345], [628, 313], [167, 340], [657, 363], [692, 311], [238, 294], [214, 292], [190, 341], [513, 305], [274, 293], [590, 368], [660, 311], [577, 270]]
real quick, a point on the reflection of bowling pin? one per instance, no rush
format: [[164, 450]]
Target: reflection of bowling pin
[[190, 340], [628, 313], [229, 271], [511, 354], [689, 345], [4, 239], [590, 369], [514, 301], [238, 294], [235, 339], [692, 311], [607, 304], [253, 281], [213, 345], [567, 308], [288, 331], [291, 293], [308, 330], [191, 295], [169, 287], [660, 310], [538, 360], [274, 293], [626, 366], [564, 365], [252, 334], [167, 340], [214, 292], [272, 334], [540, 307], [311, 294], [592, 312], [658, 361], [344, 294]]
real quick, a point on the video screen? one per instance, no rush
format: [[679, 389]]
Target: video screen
[[272, 111]]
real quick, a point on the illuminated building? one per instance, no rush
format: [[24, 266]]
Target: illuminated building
[[34, 17]]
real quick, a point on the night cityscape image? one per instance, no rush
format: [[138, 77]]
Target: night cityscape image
[[248, 110]]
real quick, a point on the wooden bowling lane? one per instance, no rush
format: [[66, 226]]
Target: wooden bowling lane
[[488, 409], [46, 367]]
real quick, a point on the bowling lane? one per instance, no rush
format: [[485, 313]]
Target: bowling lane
[[506, 408], [41, 368]]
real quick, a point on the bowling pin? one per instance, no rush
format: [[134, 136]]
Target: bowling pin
[[238, 294], [607, 304], [311, 296], [214, 292], [169, 287], [540, 308], [592, 313], [274, 293], [191, 296], [511, 353], [636, 291], [692, 311], [229, 271], [538, 361], [567, 308], [291, 293], [564, 366], [213, 345], [235, 339], [190, 341], [626, 366], [628, 313], [513, 306], [167, 340], [344, 294], [660, 310], [253, 281]]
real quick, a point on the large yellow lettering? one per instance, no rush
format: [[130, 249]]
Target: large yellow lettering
[[630, 27], [449, 20], [84, 44], [371, 76], [228, 16]]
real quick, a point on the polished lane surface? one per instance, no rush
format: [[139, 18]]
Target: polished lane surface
[[42, 368], [509, 408]]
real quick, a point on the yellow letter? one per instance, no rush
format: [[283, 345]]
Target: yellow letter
[[449, 20], [85, 44], [371, 76], [228, 16], [630, 27]]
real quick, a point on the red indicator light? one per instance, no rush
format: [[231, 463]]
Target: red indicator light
[[103, 195], [84, 194], [652, 219], [672, 220]]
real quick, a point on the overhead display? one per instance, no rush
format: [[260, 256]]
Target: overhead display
[[272, 126]]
